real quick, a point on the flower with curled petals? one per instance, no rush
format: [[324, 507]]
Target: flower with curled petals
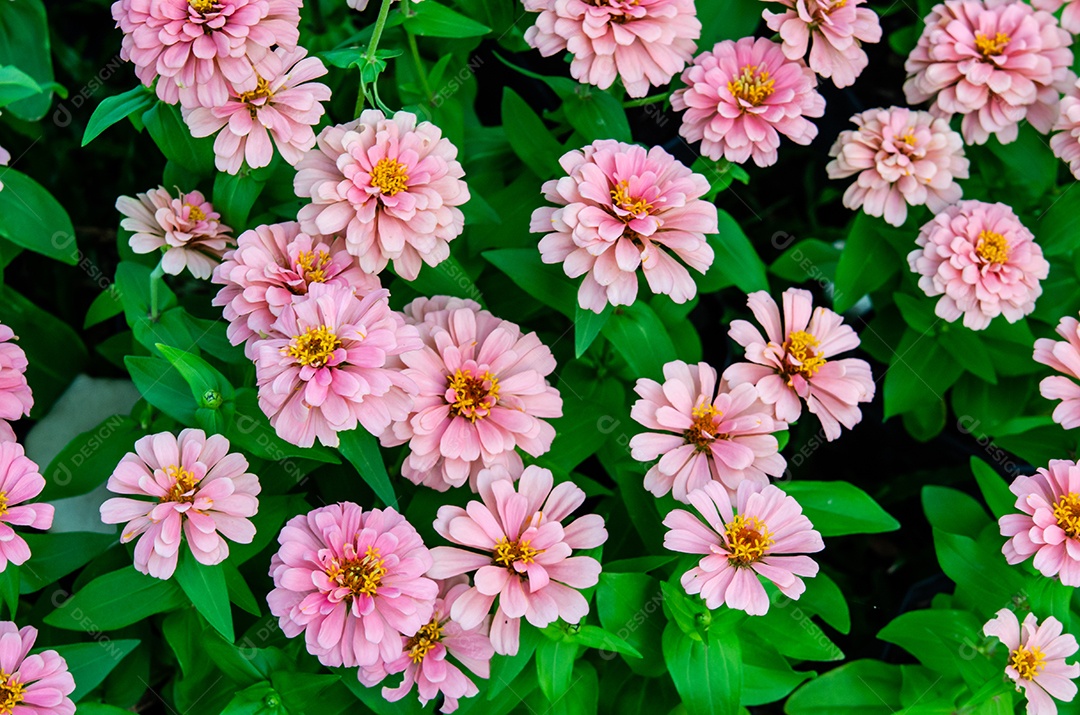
[[1063, 356], [834, 30], [1048, 526]]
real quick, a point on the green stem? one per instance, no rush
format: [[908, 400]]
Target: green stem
[[373, 46], [155, 283], [645, 101]]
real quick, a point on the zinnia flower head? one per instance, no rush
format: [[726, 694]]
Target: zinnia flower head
[[186, 226], [390, 185], [326, 365], [37, 684], [284, 106], [982, 262], [1049, 527], [1066, 142], [352, 582], [16, 397], [702, 434], [1037, 654], [20, 480], [423, 658], [199, 48], [900, 157], [740, 97], [197, 489], [993, 61], [482, 393], [273, 266], [834, 31], [521, 553], [766, 535], [793, 361], [1063, 356], [620, 209], [642, 42]]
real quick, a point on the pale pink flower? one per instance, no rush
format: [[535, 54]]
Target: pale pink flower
[[1066, 142], [482, 393], [284, 106], [352, 582], [1049, 527], [198, 48], [16, 397], [271, 267], [1064, 357], [982, 262], [185, 226], [703, 432], [20, 479], [1037, 656], [621, 209], [37, 684], [197, 489], [995, 62], [901, 158], [5, 158], [793, 361], [742, 96], [424, 660], [834, 31], [1070, 16], [326, 366], [644, 43], [766, 535], [391, 186], [521, 553]]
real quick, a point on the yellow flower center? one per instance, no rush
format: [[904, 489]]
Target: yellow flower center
[[203, 6], [361, 576], [11, 693], [992, 247], [508, 552], [3, 503], [313, 264], [991, 47], [747, 540], [183, 482], [262, 91], [1067, 513], [474, 397], [389, 177], [752, 85], [195, 213], [1028, 662], [425, 640], [909, 137], [314, 348], [702, 432], [799, 346], [620, 195]]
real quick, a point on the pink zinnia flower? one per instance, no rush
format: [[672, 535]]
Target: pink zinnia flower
[[37, 684], [766, 537], [352, 582], [995, 62], [837, 29], [982, 262], [703, 435], [901, 158], [16, 397], [20, 479], [284, 105], [522, 553], [325, 367], [642, 42], [1049, 527], [392, 186], [1037, 656], [620, 209], [742, 96], [271, 267], [200, 47], [1066, 142], [1070, 16], [793, 361], [1063, 356], [482, 393], [186, 226], [197, 489], [424, 661]]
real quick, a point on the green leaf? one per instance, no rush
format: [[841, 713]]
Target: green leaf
[[24, 42], [936, 637], [548, 284], [430, 19], [791, 631], [587, 325], [90, 663], [116, 600], [825, 598], [175, 141], [105, 306], [810, 259], [863, 687], [114, 109], [968, 350], [1059, 223], [528, 136], [595, 114], [300, 690], [994, 489], [10, 584], [205, 588], [554, 667], [767, 677], [983, 580], [637, 334], [920, 372], [866, 263], [709, 677], [736, 262], [840, 508], [250, 430], [31, 218], [630, 605], [506, 670], [594, 637], [239, 592], [953, 511], [162, 386], [133, 284], [68, 551], [88, 459], [234, 195], [209, 387], [15, 85], [1028, 160], [362, 450]]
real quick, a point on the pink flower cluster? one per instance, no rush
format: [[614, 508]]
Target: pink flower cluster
[[834, 31], [642, 43], [1064, 357], [621, 209], [16, 397], [995, 62]]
